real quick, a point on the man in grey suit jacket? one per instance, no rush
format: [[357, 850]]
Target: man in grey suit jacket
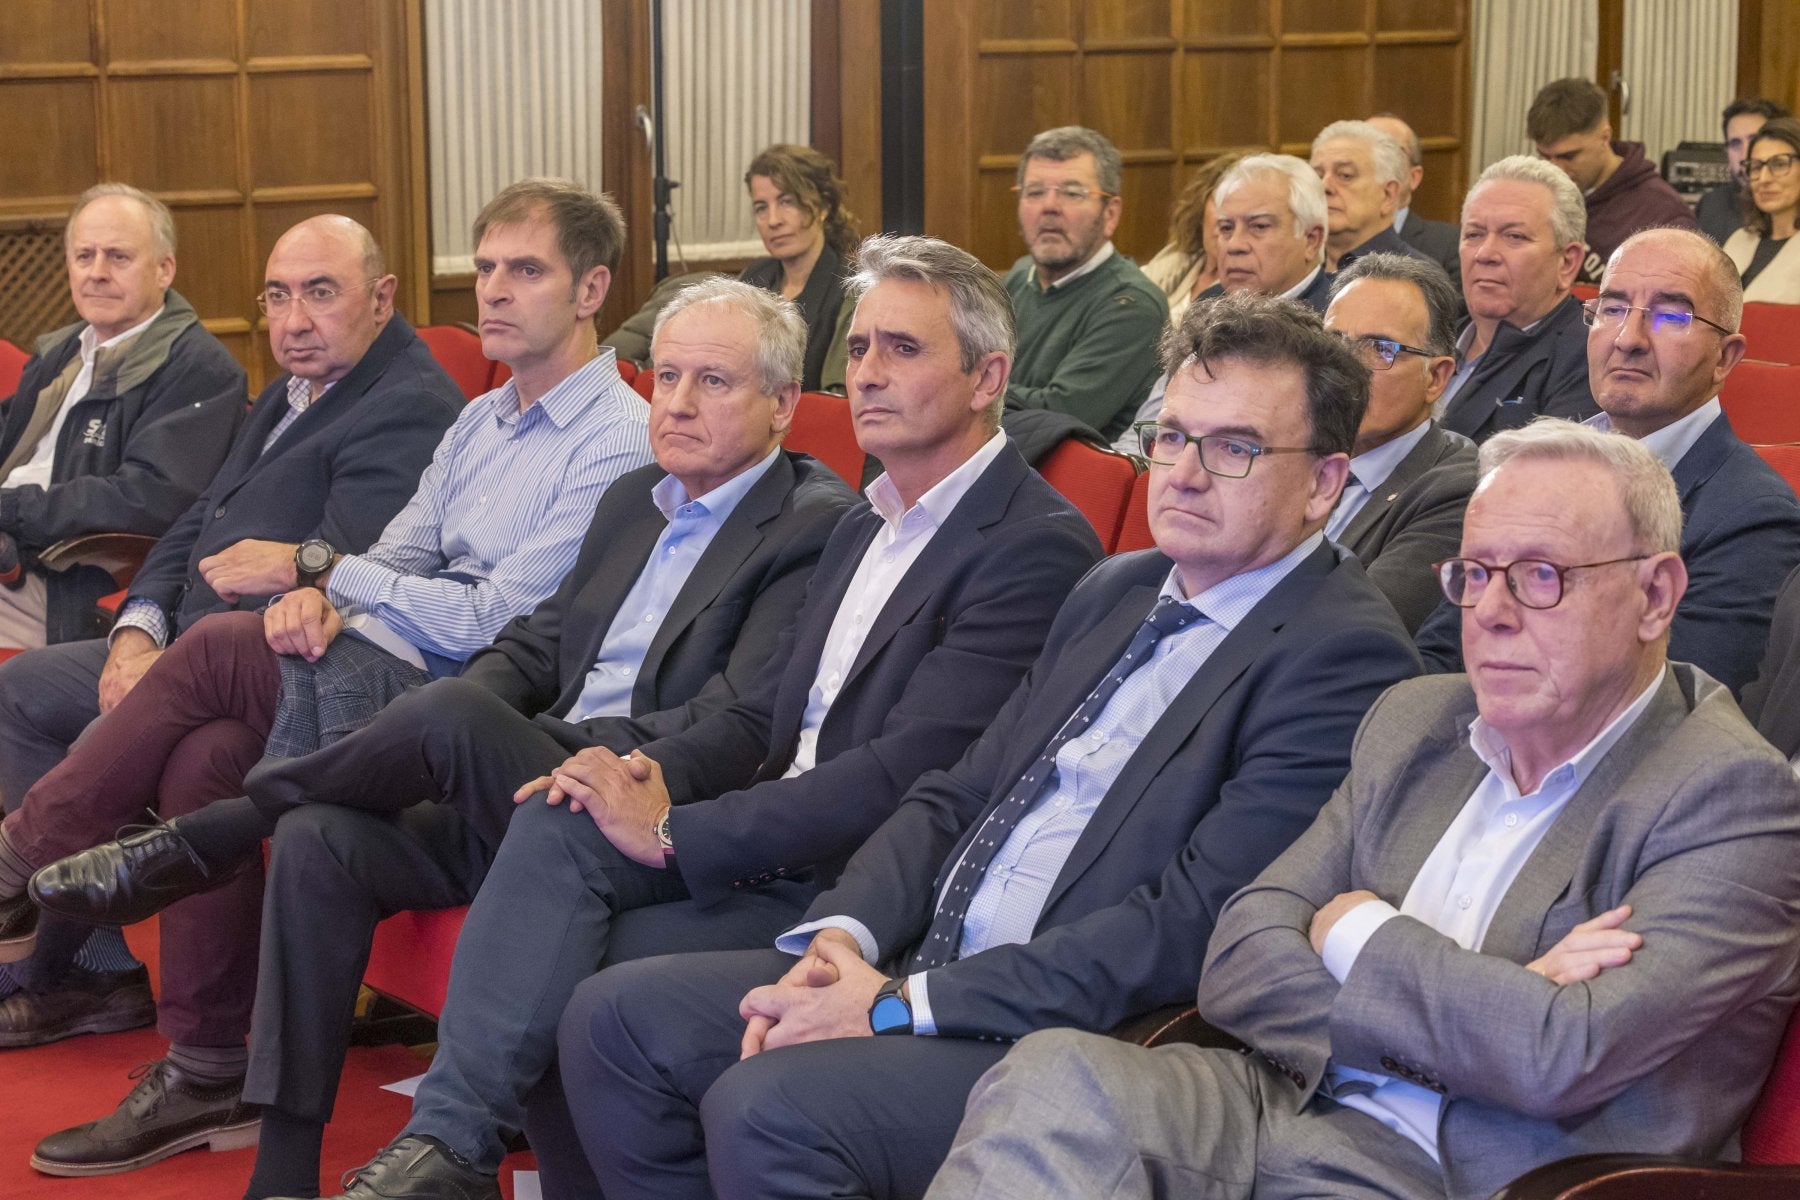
[[1552, 911], [1402, 507]]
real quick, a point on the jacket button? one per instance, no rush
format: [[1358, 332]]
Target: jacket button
[[1298, 1078], [218, 512], [1388, 1064]]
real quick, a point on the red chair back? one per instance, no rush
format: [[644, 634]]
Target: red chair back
[[1772, 1134], [502, 373], [824, 429], [1773, 331], [1585, 291], [1134, 528], [628, 370], [644, 383], [410, 957], [1785, 460], [1097, 482], [1762, 401], [12, 365], [458, 351]]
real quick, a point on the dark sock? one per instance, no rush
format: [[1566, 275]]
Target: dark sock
[[287, 1157], [14, 871], [211, 1064], [225, 832]]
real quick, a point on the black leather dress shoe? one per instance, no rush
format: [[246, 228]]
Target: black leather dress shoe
[[18, 929], [419, 1168], [124, 882], [165, 1114], [82, 1001]]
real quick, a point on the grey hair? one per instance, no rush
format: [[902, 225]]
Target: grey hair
[[1391, 165], [1721, 273], [1647, 490], [1568, 211], [1065, 142], [1443, 300], [780, 330], [1306, 195], [162, 221]]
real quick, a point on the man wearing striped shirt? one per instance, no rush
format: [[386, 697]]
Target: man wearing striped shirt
[[494, 526]]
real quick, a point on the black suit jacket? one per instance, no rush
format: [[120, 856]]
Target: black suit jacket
[[1386, 241], [718, 633], [1413, 520], [1772, 700], [940, 658], [1740, 536], [1525, 375], [1317, 296], [1234, 771], [339, 472], [1440, 241]]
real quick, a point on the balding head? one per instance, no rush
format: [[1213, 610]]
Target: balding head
[[327, 295], [1403, 133]]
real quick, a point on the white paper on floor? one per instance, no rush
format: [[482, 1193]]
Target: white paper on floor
[[404, 1087], [526, 1186]]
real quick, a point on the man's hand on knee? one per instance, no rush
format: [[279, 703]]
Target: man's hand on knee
[[625, 796], [302, 622], [826, 994], [130, 655]]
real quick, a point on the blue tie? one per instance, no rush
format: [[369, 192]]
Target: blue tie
[[945, 934]]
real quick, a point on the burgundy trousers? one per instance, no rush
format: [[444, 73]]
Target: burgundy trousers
[[183, 737]]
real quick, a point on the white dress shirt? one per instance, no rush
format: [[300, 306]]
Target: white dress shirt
[[903, 536], [1674, 439], [36, 470], [1368, 471], [1457, 892]]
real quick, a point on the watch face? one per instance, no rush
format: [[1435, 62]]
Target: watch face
[[314, 557], [891, 1014]]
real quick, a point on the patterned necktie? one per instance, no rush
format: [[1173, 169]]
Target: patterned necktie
[[945, 935]]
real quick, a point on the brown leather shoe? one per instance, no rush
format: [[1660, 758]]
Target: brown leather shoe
[[83, 1001], [18, 928], [165, 1114]]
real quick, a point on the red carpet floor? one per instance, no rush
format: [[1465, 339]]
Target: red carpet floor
[[82, 1078]]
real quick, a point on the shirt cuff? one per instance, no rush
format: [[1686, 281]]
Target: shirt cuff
[[1352, 932], [356, 580], [145, 614], [919, 997], [796, 940]]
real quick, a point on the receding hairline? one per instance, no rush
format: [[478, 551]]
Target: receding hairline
[[335, 227]]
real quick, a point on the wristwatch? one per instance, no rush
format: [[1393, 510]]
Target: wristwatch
[[891, 1013], [663, 836], [312, 558]]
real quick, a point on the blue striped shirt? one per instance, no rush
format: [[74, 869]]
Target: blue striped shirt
[[499, 513]]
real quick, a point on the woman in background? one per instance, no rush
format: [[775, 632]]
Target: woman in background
[[1189, 264], [1764, 250]]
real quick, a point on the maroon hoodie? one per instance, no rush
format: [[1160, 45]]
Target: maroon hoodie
[[1633, 197]]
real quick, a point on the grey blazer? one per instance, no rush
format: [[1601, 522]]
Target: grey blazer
[[1413, 520], [1691, 818]]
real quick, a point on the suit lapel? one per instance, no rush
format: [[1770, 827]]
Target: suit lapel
[[1420, 459], [597, 604], [1702, 460]]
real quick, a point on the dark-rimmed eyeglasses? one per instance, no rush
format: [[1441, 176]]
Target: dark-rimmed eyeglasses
[[317, 300], [1533, 582], [1664, 318], [1221, 454], [1379, 353], [1777, 165]]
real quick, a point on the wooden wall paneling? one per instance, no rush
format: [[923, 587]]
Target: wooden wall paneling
[[1318, 84], [174, 135], [951, 167], [856, 56], [626, 167], [37, 33], [52, 155], [1768, 52], [140, 36]]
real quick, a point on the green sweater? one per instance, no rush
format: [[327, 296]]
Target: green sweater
[[1087, 348]]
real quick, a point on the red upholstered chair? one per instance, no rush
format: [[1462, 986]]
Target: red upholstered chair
[[1785, 460], [823, 428], [12, 365], [1762, 400], [1098, 482], [628, 370], [1585, 291], [644, 383], [1773, 331], [457, 349], [500, 375], [410, 958], [1134, 528]]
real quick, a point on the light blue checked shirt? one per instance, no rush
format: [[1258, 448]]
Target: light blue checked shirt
[[1012, 892], [505, 503], [692, 526]]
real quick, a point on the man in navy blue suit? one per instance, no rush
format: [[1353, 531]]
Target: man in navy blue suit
[[1193, 708]]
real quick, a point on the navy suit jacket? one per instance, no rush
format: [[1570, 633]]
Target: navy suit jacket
[[1440, 241], [1772, 702], [340, 472], [1386, 241], [721, 628], [1413, 520], [1525, 375], [1232, 773], [1316, 297], [1740, 536], [940, 658]]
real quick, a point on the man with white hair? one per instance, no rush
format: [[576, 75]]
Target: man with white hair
[[1270, 212], [1364, 172], [1438, 240], [1507, 940], [1523, 352]]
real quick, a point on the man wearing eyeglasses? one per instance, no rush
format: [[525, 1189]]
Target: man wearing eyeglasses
[[1192, 709], [1410, 479], [1549, 913], [1088, 318], [494, 524]]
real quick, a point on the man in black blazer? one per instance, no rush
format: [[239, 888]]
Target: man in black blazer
[[1364, 172], [1440, 241], [1523, 353], [1402, 507], [1740, 528], [1193, 708], [1772, 699], [332, 448]]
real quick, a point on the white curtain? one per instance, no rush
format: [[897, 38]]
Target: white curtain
[[1680, 63], [1516, 47]]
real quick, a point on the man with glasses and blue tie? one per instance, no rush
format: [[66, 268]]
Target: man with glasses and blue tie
[[1088, 318], [1548, 914], [1192, 709], [1661, 339]]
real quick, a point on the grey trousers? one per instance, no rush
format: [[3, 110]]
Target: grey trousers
[[1076, 1114]]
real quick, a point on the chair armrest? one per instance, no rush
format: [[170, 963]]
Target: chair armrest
[[118, 554], [1650, 1177], [1173, 1025]]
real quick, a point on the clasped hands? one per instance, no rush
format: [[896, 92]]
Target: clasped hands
[[626, 797], [826, 994]]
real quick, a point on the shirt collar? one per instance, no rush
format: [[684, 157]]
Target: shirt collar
[[1295, 292], [565, 402], [1400, 218], [90, 341], [1372, 467], [670, 496], [1229, 601], [1492, 749], [1674, 439], [1087, 268], [299, 393], [943, 496]]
